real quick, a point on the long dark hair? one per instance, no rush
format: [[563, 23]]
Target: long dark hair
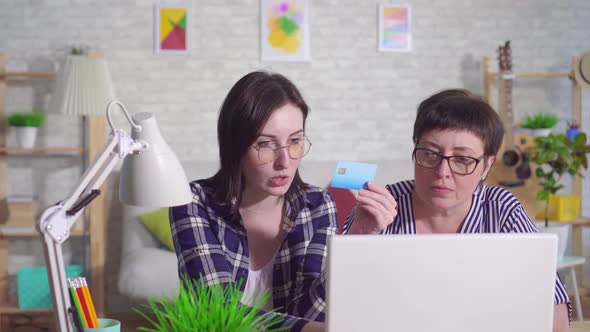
[[243, 114]]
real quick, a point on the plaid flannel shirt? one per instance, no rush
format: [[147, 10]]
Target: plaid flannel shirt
[[212, 244]]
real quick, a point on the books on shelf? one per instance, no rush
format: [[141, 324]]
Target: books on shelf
[[21, 213], [22, 217]]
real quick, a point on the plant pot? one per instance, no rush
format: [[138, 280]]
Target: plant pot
[[572, 133], [540, 132], [562, 232], [526, 131], [562, 208], [25, 136]]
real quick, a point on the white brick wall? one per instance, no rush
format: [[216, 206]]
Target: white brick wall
[[346, 78], [363, 102]]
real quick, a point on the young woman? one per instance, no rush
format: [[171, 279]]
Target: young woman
[[456, 136], [255, 220]]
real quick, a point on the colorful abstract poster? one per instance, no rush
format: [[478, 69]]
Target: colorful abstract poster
[[284, 28], [394, 28], [172, 29]]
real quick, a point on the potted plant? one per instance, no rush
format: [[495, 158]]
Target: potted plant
[[539, 124], [572, 130], [26, 125], [556, 155], [201, 307]]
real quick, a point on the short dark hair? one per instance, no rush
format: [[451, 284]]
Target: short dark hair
[[244, 112], [459, 109]]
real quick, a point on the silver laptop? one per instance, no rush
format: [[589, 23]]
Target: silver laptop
[[455, 282]]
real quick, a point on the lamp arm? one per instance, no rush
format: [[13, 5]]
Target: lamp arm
[[106, 157], [56, 221]]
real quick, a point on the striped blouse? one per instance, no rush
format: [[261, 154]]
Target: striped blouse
[[493, 210]]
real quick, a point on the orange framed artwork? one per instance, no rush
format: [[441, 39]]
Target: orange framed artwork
[[172, 29]]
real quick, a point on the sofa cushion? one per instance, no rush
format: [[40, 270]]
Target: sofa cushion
[[159, 225], [147, 269], [149, 273], [345, 201]]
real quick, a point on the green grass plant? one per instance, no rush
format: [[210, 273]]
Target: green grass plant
[[208, 308]]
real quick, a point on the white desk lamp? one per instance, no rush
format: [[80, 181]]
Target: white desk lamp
[[151, 175]]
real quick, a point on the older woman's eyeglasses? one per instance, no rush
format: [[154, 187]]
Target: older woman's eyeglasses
[[268, 151], [463, 165]]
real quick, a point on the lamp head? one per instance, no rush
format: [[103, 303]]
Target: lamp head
[[153, 176]]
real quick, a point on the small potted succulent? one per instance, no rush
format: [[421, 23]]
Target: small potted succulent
[[26, 125], [201, 307], [539, 124]]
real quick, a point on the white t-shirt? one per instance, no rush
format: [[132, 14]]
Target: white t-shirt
[[258, 282]]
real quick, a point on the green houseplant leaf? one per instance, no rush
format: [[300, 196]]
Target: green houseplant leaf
[[540, 121], [30, 119], [556, 155]]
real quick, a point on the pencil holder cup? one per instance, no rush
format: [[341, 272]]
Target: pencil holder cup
[[106, 325]]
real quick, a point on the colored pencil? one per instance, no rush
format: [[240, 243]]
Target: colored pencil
[[89, 302]]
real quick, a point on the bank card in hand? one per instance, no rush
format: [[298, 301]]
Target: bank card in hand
[[353, 175]]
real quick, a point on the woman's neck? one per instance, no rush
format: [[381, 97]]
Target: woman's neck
[[260, 202], [263, 217], [432, 220]]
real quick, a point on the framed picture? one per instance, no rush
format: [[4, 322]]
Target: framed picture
[[395, 33], [172, 33], [284, 30]]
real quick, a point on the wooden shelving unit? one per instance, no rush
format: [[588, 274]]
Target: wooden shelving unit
[[527, 193], [11, 232], [39, 318], [41, 151], [95, 139], [13, 309]]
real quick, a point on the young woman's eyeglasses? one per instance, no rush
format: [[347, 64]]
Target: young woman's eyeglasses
[[463, 165], [268, 151]]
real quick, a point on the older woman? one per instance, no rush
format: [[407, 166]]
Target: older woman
[[456, 138]]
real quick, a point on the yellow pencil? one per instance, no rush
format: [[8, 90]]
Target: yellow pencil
[[85, 319], [90, 303], [77, 306]]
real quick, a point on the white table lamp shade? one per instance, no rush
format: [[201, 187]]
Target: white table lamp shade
[[82, 86], [153, 177]]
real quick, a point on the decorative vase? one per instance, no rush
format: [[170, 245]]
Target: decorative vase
[[562, 232], [25, 136], [572, 133]]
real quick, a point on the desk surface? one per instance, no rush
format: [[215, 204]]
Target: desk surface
[[569, 261], [580, 326], [581, 221]]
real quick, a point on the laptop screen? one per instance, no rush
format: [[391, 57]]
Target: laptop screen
[[447, 282]]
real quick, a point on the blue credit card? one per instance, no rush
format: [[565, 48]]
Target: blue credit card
[[353, 175]]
